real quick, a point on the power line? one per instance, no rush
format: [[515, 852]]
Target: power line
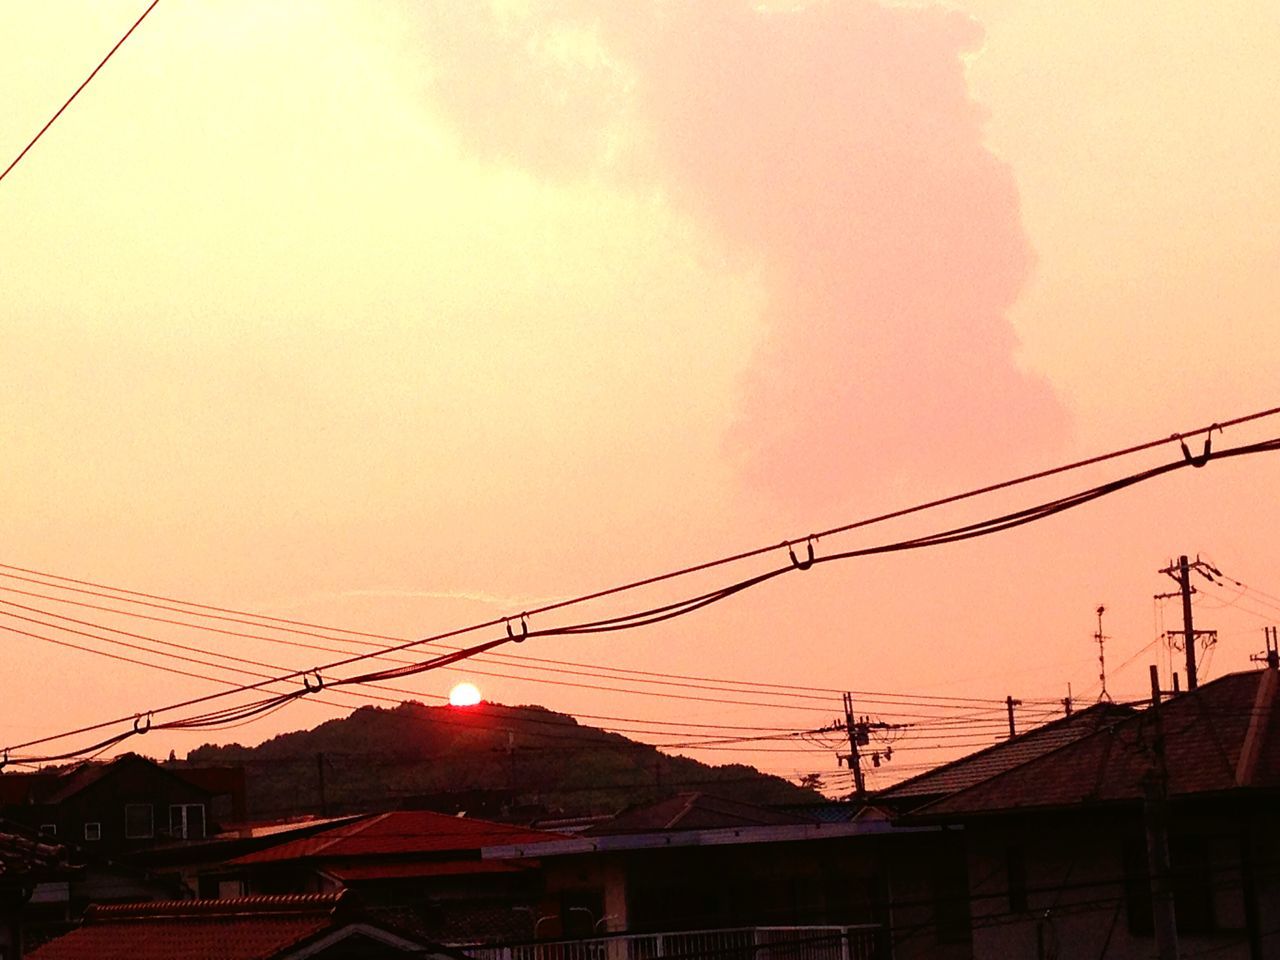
[[690, 604], [67, 103], [524, 663]]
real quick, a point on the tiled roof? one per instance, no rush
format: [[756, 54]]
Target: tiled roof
[[399, 833], [85, 775], [245, 928], [693, 811], [1005, 755], [1223, 737], [417, 869], [21, 788], [29, 856]]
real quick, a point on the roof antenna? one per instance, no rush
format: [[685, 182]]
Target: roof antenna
[[1102, 639]]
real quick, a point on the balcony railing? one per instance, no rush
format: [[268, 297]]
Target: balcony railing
[[741, 943]]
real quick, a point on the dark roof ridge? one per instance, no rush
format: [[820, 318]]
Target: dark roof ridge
[[1122, 711], [1105, 730], [937, 808]]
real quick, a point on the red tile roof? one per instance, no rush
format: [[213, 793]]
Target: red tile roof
[[414, 869], [1223, 737], [402, 832], [245, 928]]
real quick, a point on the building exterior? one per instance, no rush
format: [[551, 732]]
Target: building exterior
[[124, 805], [697, 869], [1058, 848], [27, 861], [420, 869]]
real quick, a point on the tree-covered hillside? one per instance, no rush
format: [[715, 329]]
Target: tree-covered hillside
[[477, 758]]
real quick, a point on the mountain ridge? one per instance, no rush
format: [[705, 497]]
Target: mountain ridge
[[487, 760]]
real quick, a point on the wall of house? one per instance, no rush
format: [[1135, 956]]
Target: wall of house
[[928, 913], [104, 803], [1077, 885]]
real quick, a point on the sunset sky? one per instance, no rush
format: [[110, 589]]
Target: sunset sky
[[399, 316]]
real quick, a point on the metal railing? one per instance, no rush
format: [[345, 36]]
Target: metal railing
[[739, 943]]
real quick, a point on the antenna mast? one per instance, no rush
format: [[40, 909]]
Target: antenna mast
[[1101, 640]]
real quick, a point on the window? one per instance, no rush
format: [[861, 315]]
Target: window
[[1016, 866], [49, 829], [186, 821], [93, 831], [139, 821]]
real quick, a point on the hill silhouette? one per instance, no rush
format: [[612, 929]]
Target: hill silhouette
[[489, 759]]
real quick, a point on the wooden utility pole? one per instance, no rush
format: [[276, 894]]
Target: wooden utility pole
[[1156, 820]]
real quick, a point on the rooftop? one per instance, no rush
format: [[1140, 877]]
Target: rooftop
[[693, 811], [401, 832], [241, 928], [1223, 737], [960, 774]]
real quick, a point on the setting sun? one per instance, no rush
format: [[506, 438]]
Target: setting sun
[[464, 695]]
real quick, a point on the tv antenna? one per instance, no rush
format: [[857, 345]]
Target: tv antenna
[[1101, 640]]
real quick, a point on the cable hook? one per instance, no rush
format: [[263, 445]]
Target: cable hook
[[796, 561], [138, 728], [524, 629], [306, 681], [1203, 458]]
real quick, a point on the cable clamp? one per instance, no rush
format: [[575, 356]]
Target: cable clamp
[[1203, 458], [524, 629], [796, 561], [138, 726], [307, 684]]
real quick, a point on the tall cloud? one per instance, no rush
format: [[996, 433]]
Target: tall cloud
[[838, 148]]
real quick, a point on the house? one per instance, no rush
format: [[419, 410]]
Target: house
[[195, 864], [1058, 847], [948, 778], [420, 868], [316, 927], [695, 872], [122, 805]]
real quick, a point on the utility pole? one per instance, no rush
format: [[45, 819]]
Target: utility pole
[[1180, 573], [1155, 816], [1010, 703], [859, 732], [852, 759], [1272, 655]]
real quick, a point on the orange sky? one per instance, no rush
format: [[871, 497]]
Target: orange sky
[[402, 316]]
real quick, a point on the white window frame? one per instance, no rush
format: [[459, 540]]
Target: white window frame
[[151, 819], [182, 830], [93, 830]]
